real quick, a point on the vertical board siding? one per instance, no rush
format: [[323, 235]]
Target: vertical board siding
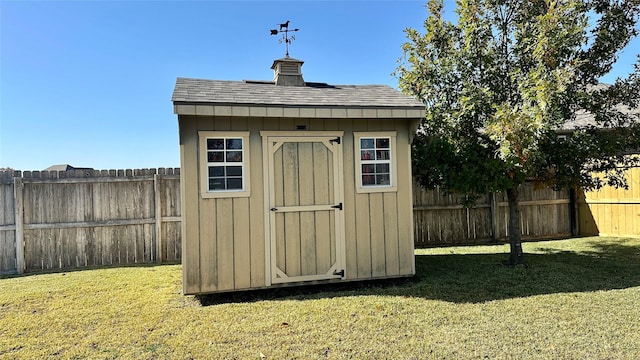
[[384, 240], [376, 226], [351, 250], [362, 218], [191, 209], [323, 231], [391, 245], [257, 207], [404, 202], [242, 243], [225, 243]]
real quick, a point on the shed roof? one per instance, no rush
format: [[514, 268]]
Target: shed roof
[[191, 93]]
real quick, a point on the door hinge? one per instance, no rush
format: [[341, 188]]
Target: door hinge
[[336, 140], [274, 209], [339, 206], [341, 272]]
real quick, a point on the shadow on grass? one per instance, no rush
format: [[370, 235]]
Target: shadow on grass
[[478, 278]]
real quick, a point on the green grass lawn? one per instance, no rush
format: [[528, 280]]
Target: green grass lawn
[[578, 299]]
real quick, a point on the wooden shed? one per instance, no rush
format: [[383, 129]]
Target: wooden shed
[[292, 182]]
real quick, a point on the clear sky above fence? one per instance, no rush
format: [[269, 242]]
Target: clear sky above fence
[[89, 83]]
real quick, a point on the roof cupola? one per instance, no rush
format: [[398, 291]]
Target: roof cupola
[[288, 72]]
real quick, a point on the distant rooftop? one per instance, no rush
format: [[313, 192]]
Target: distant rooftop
[[65, 167]]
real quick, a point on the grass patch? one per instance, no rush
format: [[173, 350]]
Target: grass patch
[[578, 298]]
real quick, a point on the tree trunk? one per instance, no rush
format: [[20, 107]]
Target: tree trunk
[[516, 257]]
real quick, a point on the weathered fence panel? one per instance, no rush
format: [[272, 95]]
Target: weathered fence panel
[[440, 219], [88, 218], [7, 226], [170, 211]]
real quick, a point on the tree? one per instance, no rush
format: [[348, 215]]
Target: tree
[[500, 82]]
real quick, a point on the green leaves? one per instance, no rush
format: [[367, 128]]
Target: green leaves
[[502, 82]]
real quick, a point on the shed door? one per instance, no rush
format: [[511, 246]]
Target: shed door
[[305, 208]]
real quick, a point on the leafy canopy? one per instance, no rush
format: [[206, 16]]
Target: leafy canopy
[[503, 82]]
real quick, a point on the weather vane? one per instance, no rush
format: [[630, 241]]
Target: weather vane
[[285, 35]]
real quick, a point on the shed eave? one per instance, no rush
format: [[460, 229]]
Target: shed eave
[[297, 111]]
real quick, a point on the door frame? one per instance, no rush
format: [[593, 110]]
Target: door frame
[[269, 216]]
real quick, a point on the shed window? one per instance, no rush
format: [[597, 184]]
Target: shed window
[[224, 164], [375, 161]]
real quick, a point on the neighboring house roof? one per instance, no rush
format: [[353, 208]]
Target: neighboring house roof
[[584, 118], [65, 167], [189, 93]]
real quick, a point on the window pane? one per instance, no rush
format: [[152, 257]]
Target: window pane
[[234, 184], [234, 143], [382, 154], [383, 179], [216, 171], [215, 156], [216, 184], [215, 144], [382, 168], [366, 143], [234, 156], [368, 168], [382, 143], [234, 170], [367, 155], [368, 179]]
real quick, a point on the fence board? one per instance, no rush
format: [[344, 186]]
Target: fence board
[[440, 219], [7, 228]]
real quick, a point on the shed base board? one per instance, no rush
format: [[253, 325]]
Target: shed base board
[[305, 284]]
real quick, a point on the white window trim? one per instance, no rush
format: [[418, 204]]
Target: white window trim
[[204, 168], [393, 187]]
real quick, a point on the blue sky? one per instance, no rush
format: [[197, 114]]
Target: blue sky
[[89, 83]]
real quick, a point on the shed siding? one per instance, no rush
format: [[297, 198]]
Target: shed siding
[[190, 206], [224, 238]]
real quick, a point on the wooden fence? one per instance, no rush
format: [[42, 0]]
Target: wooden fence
[[440, 219], [59, 220], [611, 211], [56, 220]]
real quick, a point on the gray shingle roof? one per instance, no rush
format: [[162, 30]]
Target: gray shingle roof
[[584, 118], [265, 93]]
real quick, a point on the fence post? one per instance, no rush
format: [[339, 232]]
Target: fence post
[[158, 214], [19, 216], [493, 203], [573, 213]]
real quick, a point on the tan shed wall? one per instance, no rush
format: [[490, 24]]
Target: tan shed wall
[[224, 239]]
